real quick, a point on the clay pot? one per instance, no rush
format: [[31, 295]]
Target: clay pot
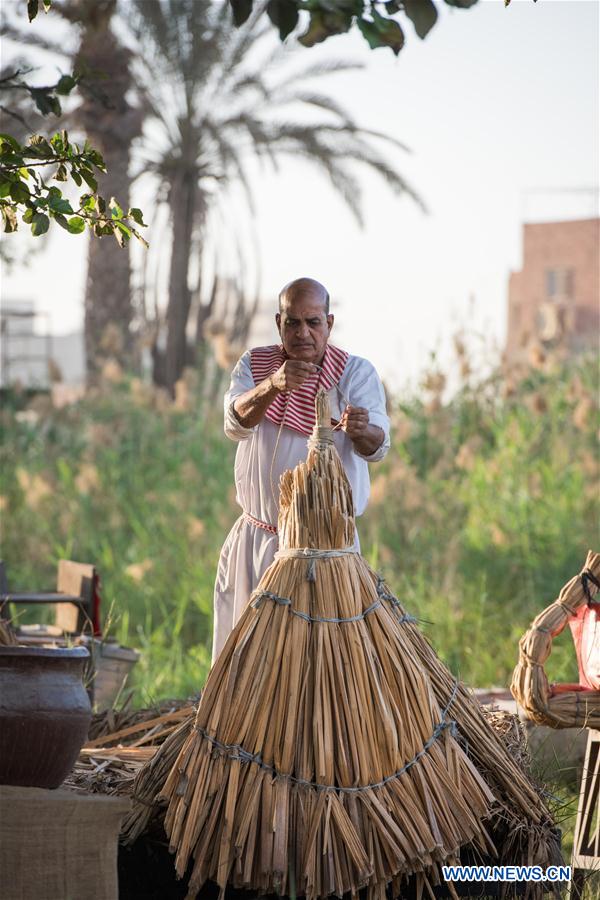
[[44, 714]]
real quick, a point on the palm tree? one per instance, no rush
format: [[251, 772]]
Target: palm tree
[[213, 103], [111, 123]]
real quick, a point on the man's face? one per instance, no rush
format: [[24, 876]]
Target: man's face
[[304, 327]]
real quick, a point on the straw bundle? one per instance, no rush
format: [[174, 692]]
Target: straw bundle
[[107, 771], [542, 702], [109, 722], [329, 749]]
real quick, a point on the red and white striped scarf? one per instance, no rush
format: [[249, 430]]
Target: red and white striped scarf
[[296, 408]]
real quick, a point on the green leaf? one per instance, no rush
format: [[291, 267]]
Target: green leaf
[[241, 10], [137, 216], [76, 178], [87, 201], [9, 216], [12, 143], [283, 14], [5, 189], [390, 33], [392, 6], [141, 239], [19, 192], [32, 9], [115, 210], [28, 216], [41, 145], [24, 173], [60, 205], [47, 5], [422, 14], [316, 32], [40, 224], [61, 221], [121, 235], [370, 33], [65, 85], [462, 4], [101, 230], [45, 101], [97, 160], [62, 174], [89, 179], [76, 224]]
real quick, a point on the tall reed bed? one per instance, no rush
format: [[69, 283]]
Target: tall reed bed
[[484, 507]]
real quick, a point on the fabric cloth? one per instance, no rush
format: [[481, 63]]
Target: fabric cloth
[[297, 408], [59, 845], [264, 452]]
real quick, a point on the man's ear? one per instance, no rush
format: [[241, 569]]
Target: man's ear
[[330, 320], [278, 322]]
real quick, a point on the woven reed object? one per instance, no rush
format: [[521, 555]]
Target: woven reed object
[[328, 749], [541, 701]]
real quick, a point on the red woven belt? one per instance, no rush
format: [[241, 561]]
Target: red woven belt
[[264, 525]]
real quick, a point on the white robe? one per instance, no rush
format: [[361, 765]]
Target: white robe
[[264, 452]]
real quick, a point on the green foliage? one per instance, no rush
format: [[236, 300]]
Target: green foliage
[[125, 479], [486, 507], [33, 7], [46, 98], [373, 18], [482, 510], [25, 191]]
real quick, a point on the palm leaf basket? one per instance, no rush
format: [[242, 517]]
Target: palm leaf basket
[[329, 748], [543, 702]]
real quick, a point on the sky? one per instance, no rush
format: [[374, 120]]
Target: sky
[[500, 109]]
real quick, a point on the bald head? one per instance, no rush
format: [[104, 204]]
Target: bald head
[[304, 288], [304, 321]]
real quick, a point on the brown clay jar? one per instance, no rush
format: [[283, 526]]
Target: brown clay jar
[[44, 714]]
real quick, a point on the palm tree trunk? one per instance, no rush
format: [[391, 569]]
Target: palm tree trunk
[[111, 124], [183, 203]]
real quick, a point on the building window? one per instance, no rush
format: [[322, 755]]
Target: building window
[[560, 283]]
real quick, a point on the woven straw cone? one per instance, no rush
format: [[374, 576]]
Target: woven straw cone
[[338, 705], [530, 686]]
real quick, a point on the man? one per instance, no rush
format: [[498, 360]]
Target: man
[[269, 409]]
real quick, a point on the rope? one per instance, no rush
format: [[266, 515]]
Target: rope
[[260, 596], [235, 751], [258, 523], [313, 553]]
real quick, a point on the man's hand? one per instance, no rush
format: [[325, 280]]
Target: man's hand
[[366, 438], [355, 421], [292, 374], [249, 408]]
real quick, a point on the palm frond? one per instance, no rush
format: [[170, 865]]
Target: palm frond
[[230, 159], [320, 69], [322, 101], [28, 38]]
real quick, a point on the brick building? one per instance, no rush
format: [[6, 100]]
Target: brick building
[[555, 298]]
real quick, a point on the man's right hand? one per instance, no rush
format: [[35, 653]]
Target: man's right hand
[[292, 374]]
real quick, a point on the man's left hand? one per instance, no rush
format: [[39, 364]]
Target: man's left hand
[[355, 421], [366, 438]]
